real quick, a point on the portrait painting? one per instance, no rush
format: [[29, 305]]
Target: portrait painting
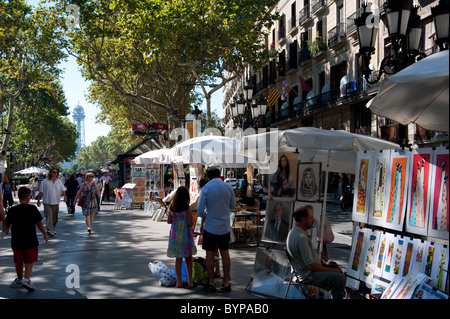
[[278, 220], [309, 181], [283, 181], [270, 270]]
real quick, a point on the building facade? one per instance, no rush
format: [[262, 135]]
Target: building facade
[[319, 59]]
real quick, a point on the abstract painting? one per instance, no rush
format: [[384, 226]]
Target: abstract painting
[[396, 190], [419, 192], [438, 223], [381, 170], [363, 186]]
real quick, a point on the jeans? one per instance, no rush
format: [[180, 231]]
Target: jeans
[[333, 281]]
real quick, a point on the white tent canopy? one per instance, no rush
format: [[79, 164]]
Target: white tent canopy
[[161, 156], [418, 94], [211, 150], [313, 145], [32, 170]]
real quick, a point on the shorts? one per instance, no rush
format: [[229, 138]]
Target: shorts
[[26, 256], [212, 241]]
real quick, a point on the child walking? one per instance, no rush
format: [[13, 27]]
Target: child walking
[[23, 219], [181, 240]]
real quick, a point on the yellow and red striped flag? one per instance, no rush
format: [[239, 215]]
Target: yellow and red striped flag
[[273, 97]]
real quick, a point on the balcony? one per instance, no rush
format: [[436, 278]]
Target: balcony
[[304, 15], [304, 56], [351, 26], [281, 33], [335, 97], [337, 35], [318, 5]]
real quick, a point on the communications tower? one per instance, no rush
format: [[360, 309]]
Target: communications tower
[[78, 118]]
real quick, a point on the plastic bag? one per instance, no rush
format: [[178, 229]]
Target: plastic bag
[[163, 273], [328, 235]]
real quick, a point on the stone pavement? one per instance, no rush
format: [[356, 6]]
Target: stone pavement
[[113, 260]]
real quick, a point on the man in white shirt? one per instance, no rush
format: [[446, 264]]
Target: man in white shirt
[[50, 191], [105, 180]]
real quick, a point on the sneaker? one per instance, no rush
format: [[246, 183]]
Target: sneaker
[[51, 233], [28, 285], [17, 283]]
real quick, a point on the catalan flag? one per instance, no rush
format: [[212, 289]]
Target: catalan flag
[[273, 97], [285, 90]]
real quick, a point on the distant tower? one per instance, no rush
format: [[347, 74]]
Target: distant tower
[[78, 118]]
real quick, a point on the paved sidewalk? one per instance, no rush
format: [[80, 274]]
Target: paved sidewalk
[[113, 260]]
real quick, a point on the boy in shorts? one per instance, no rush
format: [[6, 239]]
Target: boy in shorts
[[23, 219]]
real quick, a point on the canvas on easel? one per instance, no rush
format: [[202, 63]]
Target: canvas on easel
[[419, 192], [438, 225], [396, 190]]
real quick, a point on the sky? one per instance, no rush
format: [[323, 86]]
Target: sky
[[76, 89]]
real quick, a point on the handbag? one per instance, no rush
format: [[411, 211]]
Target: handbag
[[82, 201]]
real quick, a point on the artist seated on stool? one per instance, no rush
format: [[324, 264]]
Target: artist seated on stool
[[306, 261]]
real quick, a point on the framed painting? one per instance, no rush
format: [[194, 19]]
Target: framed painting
[[278, 220], [309, 182], [283, 181]]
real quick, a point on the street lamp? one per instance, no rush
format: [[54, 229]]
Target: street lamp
[[404, 29], [441, 23]]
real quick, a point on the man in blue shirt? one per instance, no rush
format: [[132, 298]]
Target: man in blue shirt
[[214, 206]]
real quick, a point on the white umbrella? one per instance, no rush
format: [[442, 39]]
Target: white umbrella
[[337, 150], [32, 170], [211, 150], [418, 94], [161, 156]]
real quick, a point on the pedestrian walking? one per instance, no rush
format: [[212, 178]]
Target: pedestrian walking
[[71, 191], [2, 211], [23, 219], [8, 189], [105, 180], [181, 239], [50, 192], [214, 206], [87, 195]]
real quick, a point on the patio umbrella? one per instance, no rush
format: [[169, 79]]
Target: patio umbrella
[[337, 150], [418, 94], [32, 170]]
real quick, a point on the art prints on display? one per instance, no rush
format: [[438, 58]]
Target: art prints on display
[[439, 216], [378, 191], [381, 254], [396, 190], [278, 220], [283, 181], [358, 245], [419, 192], [138, 178], [317, 212], [404, 287], [425, 291], [363, 187], [270, 271], [390, 257], [370, 254], [439, 267], [309, 181]]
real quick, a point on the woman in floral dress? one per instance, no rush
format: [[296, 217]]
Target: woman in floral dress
[[181, 240], [90, 207]]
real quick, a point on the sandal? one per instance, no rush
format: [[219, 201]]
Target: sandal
[[183, 285]]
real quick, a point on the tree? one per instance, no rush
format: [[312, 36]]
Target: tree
[[154, 52], [30, 51], [42, 129]]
